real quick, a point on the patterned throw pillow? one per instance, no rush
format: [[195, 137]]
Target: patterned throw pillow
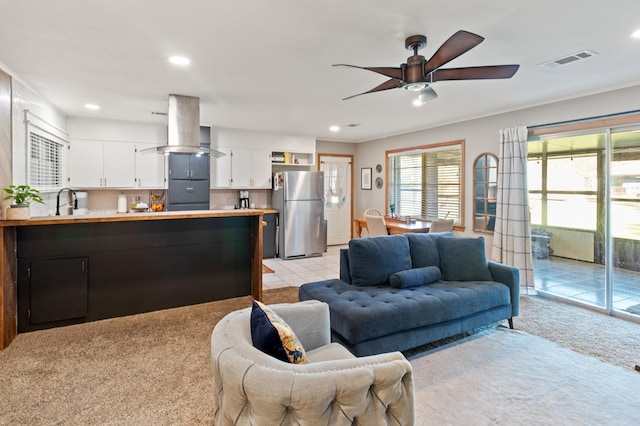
[[273, 336]]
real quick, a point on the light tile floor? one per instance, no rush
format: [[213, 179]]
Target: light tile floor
[[295, 272], [583, 282]]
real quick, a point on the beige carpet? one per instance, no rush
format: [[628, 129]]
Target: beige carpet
[[153, 369], [147, 369], [505, 377], [602, 336]]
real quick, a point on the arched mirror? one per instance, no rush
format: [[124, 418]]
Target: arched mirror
[[485, 184]]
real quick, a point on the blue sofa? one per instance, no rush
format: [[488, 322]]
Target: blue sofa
[[397, 292]]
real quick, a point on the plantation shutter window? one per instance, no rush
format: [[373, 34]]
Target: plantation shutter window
[[427, 182], [46, 153], [45, 162]]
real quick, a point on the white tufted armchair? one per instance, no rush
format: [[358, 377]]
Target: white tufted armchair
[[334, 388]]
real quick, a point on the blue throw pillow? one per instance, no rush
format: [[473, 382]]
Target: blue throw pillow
[[463, 259], [415, 277], [373, 260], [273, 336]]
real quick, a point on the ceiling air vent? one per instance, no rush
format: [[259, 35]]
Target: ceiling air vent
[[583, 54]]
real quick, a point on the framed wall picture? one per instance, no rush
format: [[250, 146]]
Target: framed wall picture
[[365, 178]]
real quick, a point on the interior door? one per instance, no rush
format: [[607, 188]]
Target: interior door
[[338, 209]]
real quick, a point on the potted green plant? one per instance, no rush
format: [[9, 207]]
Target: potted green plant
[[21, 197]]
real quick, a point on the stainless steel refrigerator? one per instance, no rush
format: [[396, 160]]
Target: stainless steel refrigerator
[[299, 199]]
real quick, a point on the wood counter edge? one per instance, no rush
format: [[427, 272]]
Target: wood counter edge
[[128, 217]]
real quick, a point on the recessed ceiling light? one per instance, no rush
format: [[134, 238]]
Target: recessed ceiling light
[[179, 60], [636, 34], [334, 128], [92, 107]]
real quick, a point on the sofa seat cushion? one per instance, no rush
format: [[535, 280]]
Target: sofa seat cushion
[[362, 313]]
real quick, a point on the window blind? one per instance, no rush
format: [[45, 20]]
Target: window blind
[[427, 183], [45, 162]]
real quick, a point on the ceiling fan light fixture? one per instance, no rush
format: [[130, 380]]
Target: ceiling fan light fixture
[[416, 87], [427, 94]]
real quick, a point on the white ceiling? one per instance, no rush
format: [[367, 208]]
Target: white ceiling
[[266, 65]]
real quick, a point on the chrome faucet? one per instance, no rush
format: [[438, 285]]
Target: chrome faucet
[[75, 203]]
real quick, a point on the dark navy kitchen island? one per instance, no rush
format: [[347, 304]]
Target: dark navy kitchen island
[[72, 270]]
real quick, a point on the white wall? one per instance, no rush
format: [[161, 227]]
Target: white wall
[[237, 138], [25, 98], [326, 147], [482, 135], [43, 114], [116, 131]]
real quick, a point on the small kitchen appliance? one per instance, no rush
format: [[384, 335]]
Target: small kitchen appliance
[[122, 203], [243, 199]]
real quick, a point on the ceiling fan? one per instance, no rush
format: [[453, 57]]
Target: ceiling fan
[[418, 74]]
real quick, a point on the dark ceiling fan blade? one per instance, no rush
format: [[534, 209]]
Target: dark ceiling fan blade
[[389, 84], [456, 45], [388, 71], [475, 73]]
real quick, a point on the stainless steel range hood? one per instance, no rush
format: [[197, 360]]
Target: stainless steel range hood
[[183, 128]]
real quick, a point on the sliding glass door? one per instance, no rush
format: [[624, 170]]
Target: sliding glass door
[[584, 191], [625, 220]]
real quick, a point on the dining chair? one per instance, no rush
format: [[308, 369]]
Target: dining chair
[[376, 225], [372, 212], [441, 225]]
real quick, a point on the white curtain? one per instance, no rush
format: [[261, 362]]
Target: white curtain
[[512, 234], [335, 182]]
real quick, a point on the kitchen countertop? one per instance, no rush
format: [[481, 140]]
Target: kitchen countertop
[[128, 217]]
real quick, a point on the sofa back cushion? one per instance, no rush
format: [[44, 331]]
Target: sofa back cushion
[[373, 260], [423, 249], [463, 259]]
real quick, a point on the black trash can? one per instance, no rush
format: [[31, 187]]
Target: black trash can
[[269, 232]]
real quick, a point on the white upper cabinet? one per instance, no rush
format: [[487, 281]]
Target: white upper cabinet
[[248, 161], [98, 164], [261, 168], [106, 154], [150, 167], [221, 169], [242, 168]]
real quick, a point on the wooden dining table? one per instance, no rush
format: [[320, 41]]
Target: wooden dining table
[[395, 226]]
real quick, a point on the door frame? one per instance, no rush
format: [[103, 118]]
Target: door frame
[[351, 159]]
